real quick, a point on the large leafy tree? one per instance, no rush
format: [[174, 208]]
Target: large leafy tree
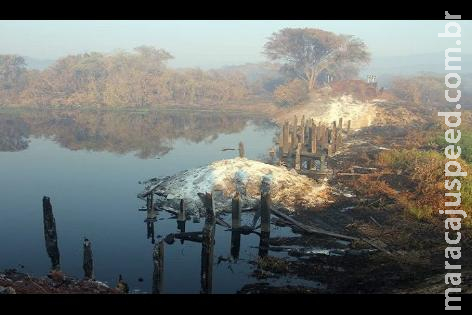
[[306, 52], [12, 70]]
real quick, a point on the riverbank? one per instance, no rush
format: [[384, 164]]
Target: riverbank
[[409, 246], [15, 282]]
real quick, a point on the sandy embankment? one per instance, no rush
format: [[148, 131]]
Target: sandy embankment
[[327, 110]]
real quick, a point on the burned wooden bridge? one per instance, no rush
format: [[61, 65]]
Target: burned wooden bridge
[[305, 145]]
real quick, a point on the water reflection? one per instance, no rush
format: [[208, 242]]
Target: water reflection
[[149, 134]]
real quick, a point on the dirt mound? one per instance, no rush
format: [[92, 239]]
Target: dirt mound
[[329, 109]]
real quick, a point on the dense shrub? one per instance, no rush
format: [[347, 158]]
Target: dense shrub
[[426, 170], [292, 93]]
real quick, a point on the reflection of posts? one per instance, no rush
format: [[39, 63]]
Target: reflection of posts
[[208, 239], [150, 219], [50, 234], [236, 223], [88, 260], [265, 219], [150, 230], [181, 218], [149, 201], [158, 261], [264, 244]]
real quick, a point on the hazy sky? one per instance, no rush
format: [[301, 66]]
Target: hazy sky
[[213, 43]]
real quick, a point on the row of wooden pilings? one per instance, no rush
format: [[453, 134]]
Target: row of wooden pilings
[[306, 140], [207, 235]]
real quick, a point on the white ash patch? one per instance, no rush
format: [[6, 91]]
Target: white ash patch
[[287, 187]]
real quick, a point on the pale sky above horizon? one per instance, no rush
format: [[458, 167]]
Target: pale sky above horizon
[[208, 44]]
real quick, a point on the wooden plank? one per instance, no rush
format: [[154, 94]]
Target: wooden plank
[[310, 229]]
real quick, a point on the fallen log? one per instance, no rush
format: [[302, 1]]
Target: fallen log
[[309, 229], [222, 222], [380, 246]]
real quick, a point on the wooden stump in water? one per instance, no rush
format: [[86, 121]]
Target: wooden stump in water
[[241, 150], [208, 240], [322, 163], [265, 211], [236, 212], [294, 132], [314, 142], [50, 234], [88, 260], [264, 244], [181, 217], [235, 244], [235, 224], [158, 261]]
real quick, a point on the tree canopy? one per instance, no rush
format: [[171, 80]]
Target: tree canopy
[[306, 52]]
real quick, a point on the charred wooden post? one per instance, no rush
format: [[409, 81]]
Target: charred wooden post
[[281, 139], [264, 244], [295, 132], [158, 262], [330, 149], [236, 224], [334, 138], [297, 157], [322, 163], [88, 260], [285, 132], [309, 132], [340, 124], [150, 201], [324, 137], [265, 207], [320, 132], [348, 127], [150, 230], [235, 244], [314, 142], [208, 240], [272, 155], [207, 199], [181, 217], [241, 150], [50, 234], [302, 129], [150, 218], [236, 212]]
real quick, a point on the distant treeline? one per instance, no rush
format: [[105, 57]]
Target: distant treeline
[[308, 59], [135, 79]]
